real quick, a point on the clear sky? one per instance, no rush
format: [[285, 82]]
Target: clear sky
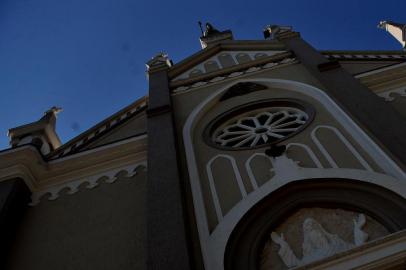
[[88, 56]]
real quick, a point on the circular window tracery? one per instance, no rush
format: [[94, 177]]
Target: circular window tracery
[[259, 124]]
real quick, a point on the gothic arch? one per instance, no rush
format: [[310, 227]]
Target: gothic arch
[[213, 243], [250, 234]]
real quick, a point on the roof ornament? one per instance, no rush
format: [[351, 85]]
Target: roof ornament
[[272, 31], [53, 110], [42, 133], [160, 60], [211, 36], [397, 30], [209, 30]]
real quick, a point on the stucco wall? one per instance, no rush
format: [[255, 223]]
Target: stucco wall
[[100, 228]]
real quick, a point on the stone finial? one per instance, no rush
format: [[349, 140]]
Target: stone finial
[[212, 36], [159, 61], [41, 134], [397, 30], [273, 31]]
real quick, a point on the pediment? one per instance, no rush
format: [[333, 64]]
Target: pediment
[[126, 123], [225, 59], [227, 54]]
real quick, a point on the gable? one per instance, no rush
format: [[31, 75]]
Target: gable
[[126, 123], [225, 59], [135, 126]]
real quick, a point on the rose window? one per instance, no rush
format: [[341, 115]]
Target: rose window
[[259, 127]]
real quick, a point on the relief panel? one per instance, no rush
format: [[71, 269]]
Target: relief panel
[[312, 234]]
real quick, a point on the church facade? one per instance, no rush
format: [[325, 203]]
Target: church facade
[[249, 154]]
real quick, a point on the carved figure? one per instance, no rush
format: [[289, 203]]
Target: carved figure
[[318, 243], [210, 30]]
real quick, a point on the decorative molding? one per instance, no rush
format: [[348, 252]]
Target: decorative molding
[[217, 241], [272, 65], [248, 168], [401, 91], [353, 56], [70, 146], [18, 171], [214, 194], [213, 243], [309, 152], [349, 146], [380, 70], [270, 124], [233, 57], [92, 182]]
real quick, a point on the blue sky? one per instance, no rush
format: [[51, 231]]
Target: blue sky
[[88, 56]]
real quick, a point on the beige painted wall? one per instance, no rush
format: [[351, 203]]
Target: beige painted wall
[[100, 228]]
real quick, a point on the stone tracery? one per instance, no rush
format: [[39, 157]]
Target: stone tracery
[[260, 128]]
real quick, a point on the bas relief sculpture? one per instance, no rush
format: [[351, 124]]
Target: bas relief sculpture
[[345, 231], [318, 243]]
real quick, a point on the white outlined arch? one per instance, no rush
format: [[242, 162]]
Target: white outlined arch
[[212, 185], [347, 144], [379, 156], [309, 152], [217, 243], [251, 175]]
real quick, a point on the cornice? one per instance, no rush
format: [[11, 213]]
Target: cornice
[[26, 163], [205, 77], [100, 129], [109, 176], [260, 67], [228, 45], [383, 79], [354, 55]]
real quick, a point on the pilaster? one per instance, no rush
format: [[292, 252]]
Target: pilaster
[[166, 235]]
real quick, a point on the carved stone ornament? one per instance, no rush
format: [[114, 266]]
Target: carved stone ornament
[[159, 60], [318, 243], [260, 127]]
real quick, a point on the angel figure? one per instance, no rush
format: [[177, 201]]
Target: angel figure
[[318, 243]]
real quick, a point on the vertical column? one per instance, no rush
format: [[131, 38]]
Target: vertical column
[[379, 118], [166, 238], [14, 198]]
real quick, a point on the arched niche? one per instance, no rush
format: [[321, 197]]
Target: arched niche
[[211, 66], [247, 240], [226, 60], [243, 58], [195, 72]]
